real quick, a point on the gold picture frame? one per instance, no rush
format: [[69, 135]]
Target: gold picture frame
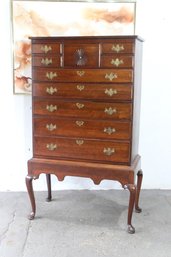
[[63, 18]]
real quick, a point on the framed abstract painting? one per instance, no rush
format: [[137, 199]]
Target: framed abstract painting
[[63, 18]]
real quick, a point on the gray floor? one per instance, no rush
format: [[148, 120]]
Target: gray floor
[[85, 224]]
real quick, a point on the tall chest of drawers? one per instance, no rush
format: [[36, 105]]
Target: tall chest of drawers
[[85, 102]]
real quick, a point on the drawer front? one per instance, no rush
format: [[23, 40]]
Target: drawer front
[[87, 75], [46, 48], [118, 47], [81, 55], [43, 61], [83, 90], [82, 128], [83, 149], [83, 109], [115, 61]]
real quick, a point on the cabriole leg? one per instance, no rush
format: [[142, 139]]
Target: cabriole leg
[[29, 186], [48, 179], [132, 190], [139, 182]]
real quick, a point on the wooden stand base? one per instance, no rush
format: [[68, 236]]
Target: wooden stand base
[[96, 171]]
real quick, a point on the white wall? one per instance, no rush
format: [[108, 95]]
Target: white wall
[[153, 24]]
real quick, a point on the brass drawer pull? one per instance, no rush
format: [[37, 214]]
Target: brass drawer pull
[[109, 130], [51, 75], [111, 76], [116, 62], [51, 147], [79, 106], [46, 49], [117, 48], [79, 123], [80, 73], [80, 87], [79, 142], [111, 92], [51, 90], [46, 61], [109, 151], [110, 110], [50, 127], [51, 108]]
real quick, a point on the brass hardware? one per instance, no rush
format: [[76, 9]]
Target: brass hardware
[[79, 106], [111, 76], [46, 61], [79, 142], [50, 127], [110, 110], [80, 87], [51, 90], [46, 48], [51, 108], [51, 147], [109, 130], [79, 123], [111, 92], [116, 62], [51, 75], [108, 151], [80, 73], [117, 48]]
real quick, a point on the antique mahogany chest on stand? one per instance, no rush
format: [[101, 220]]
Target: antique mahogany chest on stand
[[86, 102]]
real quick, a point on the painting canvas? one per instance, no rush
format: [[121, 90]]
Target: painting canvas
[[63, 18]]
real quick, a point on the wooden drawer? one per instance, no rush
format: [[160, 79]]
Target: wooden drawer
[[46, 49], [83, 109], [43, 61], [121, 61], [118, 47], [82, 128], [86, 55], [83, 90], [83, 149], [86, 75]]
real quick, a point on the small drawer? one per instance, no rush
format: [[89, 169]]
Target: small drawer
[[116, 61], [46, 61], [100, 129], [81, 55], [118, 47], [46, 48], [83, 75], [83, 109], [82, 149], [84, 91]]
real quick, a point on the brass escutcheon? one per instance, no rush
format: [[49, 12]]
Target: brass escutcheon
[[79, 142], [111, 92], [51, 108], [110, 110], [80, 73], [46, 61], [79, 123], [111, 76], [117, 48], [79, 106], [108, 151], [51, 75], [50, 127], [51, 90], [116, 62], [51, 147], [80, 87], [109, 130], [46, 49]]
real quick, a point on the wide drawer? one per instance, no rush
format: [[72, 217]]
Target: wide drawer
[[43, 61], [83, 75], [82, 128], [83, 149], [83, 109], [116, 61], [118, 47], [84, 90], [48, 48]]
